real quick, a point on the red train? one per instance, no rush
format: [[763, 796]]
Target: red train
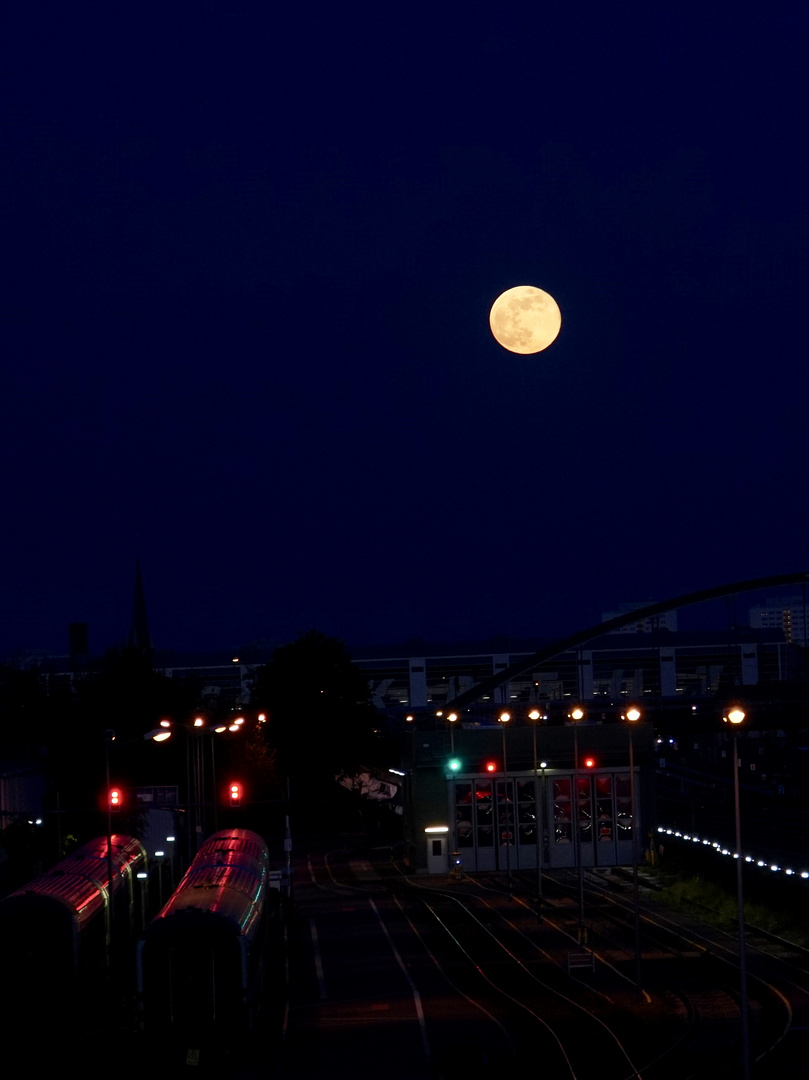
[[56, 931], [200, 961]]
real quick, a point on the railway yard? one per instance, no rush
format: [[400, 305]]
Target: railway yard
[[436, 978], [371, 968]]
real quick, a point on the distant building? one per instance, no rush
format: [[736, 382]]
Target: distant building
[[666, 620], [692, 665], [213, 682], [787, 613]]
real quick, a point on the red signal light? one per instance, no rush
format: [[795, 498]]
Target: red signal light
[[589, 763], [235, 793], [491, 766], [115, 798]]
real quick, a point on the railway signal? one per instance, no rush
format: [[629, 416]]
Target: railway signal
[[235, 794], [115, 798]]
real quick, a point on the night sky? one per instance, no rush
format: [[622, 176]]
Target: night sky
[[250, 253]]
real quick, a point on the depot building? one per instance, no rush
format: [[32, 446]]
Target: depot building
[[507, 797]]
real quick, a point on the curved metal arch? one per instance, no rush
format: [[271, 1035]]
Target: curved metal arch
[[514, 671]]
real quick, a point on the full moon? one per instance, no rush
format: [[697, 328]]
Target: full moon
[[525, 319]]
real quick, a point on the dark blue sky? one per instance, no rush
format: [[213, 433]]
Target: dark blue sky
[[249, 261]]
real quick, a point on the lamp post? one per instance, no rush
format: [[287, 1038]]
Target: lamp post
[[735, 717], [576, 715], [451, 720], [503, 719], [632, 716], [535, 715], [455, 853], [218, 731], [198, 726]]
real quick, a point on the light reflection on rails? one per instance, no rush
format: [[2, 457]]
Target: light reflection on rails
[[462, 926]]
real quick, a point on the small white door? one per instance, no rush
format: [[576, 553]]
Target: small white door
[[437, 855]]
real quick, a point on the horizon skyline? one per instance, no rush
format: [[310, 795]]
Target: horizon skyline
[[622, 612]]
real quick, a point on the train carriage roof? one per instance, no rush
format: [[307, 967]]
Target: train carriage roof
[[79, 884], [79, 897], [226, 883]]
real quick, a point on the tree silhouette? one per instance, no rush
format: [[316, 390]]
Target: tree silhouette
[[318, 706]]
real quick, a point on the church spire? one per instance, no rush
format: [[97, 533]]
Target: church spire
[[139, 632]]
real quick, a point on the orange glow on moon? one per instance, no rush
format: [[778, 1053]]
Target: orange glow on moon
[[525, 319]]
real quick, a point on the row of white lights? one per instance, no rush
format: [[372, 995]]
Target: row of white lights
[[726, 851]]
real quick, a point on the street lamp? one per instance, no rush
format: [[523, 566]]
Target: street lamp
[[454, 764], [452, 719], [503, 719], [535, 715], [632, 715], [735, 718], [576, 715]]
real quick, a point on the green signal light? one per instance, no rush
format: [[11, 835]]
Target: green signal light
[[454, 765]]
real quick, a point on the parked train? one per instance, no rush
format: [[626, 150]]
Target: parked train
[[200, 961], [56, 931]]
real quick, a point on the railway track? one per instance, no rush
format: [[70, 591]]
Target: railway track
[[547, 1019], [527, 978], [483, 947], [695, 965]]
